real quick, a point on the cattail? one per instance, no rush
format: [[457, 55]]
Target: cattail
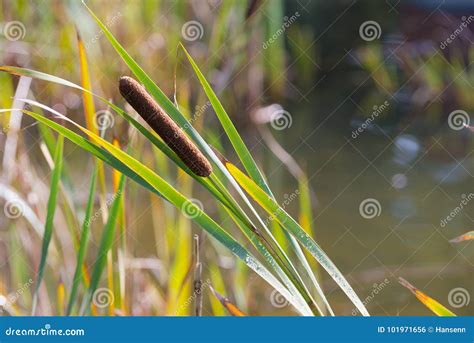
[[164, 126]]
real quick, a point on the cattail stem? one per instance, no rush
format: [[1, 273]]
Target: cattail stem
[[137, 96], [197, 284]]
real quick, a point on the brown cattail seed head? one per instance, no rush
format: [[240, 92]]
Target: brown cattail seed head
[[137, 96]]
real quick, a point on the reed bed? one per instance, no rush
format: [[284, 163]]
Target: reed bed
[[210, 203]]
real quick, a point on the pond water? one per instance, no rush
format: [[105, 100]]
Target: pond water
[[387, 205]]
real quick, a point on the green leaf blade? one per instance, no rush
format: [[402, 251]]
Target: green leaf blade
[[234, 137], [78, 273], [288, 223], [51, 209]]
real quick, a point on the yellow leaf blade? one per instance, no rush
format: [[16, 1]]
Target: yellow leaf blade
[[233, 310], [429, 302], [89, 107], [89, 112], [465, 237]]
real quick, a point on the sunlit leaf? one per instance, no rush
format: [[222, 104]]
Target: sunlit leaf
[[51, 209], [465, 237], [289, 224], [90, 114], [108, 236], [89, 107], [233, 310], [84, 240], [237, 142], [151, 136], [429, 302], [142, 174]]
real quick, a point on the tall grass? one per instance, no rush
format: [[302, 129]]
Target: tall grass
[[244, 199]]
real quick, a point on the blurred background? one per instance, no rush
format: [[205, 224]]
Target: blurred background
[[369, 99]]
